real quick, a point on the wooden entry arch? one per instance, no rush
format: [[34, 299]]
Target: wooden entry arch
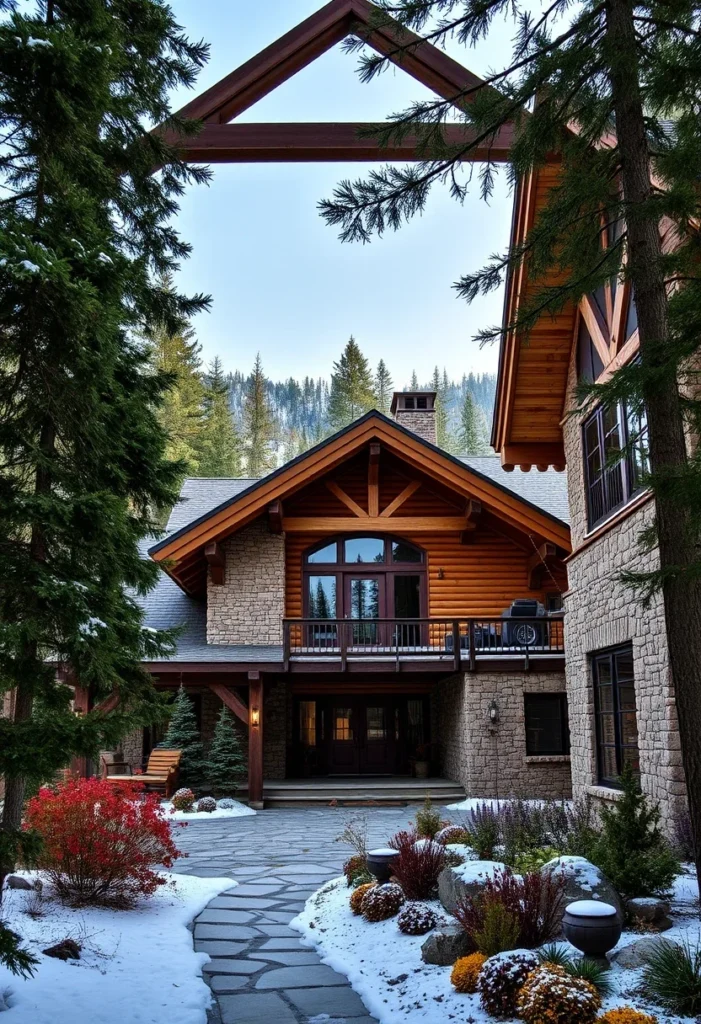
[[220, 141]]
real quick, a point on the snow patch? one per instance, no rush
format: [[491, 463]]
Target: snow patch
[[32, 268], [238, 810], [475, 870], [590, 908]]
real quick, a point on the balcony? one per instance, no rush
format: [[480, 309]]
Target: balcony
[[453, 645]]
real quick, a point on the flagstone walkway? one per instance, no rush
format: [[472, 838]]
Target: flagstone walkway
[[260, 973]]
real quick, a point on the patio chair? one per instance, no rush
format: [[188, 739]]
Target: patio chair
[[161, 771]]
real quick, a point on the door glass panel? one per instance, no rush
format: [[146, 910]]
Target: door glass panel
[[415, 724], [364, 605], [325, 554], [402, 552], [342, 725], [407, 605], [307, 722], [376, 727], [365, 549], [322, 597]]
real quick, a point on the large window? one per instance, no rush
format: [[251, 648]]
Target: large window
[[616, 719], [613, 478], [547, 727]]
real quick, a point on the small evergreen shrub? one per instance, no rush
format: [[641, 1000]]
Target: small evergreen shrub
[[551, 995], [428, 820], [577, 966], [358, 895], [485, 831], [626, 1015], [183, 799], [183, 735], [453, 834], [206, 805], [465, 973], [382, 901], [226, 803], [416, 919], [501, 978], [418, 865], [631, 851], [533, 860], [100, 842], [354, 866], [673, 976], [225, 765]]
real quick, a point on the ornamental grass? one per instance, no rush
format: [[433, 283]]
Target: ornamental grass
[[418, 865]]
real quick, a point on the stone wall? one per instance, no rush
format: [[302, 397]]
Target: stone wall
[[419, 421], [249, 606], [599, 613], [491, 760]]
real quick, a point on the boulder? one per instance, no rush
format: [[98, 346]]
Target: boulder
[[67, 949], [454, 883], [18, 882], [446, 946], [649, 911], [584, 881], [634, 955]]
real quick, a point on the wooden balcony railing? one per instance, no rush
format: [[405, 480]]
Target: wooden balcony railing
[[462, 641]]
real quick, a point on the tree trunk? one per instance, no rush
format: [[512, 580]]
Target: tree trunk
[[677, 538]]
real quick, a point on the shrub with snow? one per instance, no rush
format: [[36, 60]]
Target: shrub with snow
[[206, 804], [100, 841], [226, 803], [551, 994], [418, 865], [183, 799], [453, 834], [428, 820], [358, 895], [626, 1015], [535, 902], [382, 901], [466, 971], [354, 866], [501, 978], [416, 919]]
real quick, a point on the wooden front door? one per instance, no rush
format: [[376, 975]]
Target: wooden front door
[[363, 736]]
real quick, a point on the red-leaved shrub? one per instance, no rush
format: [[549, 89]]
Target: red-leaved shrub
[[535, 901], [100, 842], [418, 865]]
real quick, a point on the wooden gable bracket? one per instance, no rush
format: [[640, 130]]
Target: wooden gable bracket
[[214, 553], [374, 481], [275, 516], [473, 512], [541, 559], [229, 698], [403, 496], [346, 499]]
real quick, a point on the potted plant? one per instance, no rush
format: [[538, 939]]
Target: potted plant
[[422, 760]]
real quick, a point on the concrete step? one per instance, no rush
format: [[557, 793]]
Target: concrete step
[[347, 792]]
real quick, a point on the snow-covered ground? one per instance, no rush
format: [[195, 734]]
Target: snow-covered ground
[[385, 967], [238, 810], [136, 967]]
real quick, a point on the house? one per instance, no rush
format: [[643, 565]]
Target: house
[[619, 686], [374, 602]]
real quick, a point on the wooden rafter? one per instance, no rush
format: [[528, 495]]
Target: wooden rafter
[[403, 496], [346, 499], [275, 516], [214, 553], [228, 697], [542, 559], [374, 481]]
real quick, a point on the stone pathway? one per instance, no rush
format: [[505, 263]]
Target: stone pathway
[[260, 973]]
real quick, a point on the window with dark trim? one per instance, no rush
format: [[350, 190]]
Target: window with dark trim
[[613, 479], [616, 718], [547, 726]]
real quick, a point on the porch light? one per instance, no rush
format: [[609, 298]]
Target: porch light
[[494, 712], [255, 717]]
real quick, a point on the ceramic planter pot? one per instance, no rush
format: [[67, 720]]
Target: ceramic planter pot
[[421, 769], [380, 864], [592, 927]]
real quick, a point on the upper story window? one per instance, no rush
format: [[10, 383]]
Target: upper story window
[[613, 479]]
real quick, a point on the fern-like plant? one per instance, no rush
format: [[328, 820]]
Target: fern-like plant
[[673, 976]]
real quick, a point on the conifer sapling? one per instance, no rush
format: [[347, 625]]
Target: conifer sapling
[[184, 735], [225, 765]]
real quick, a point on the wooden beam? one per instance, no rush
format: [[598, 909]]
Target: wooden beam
[[275, 515], [401, 524], [346, 499], [541, 559], [473, 510], [228, 697], [410, 489], [214, 553], [319, 143], [255, 744], [108, 704], [374, 481], [538, 453]]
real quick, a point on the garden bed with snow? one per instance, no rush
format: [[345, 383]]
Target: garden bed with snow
[[136, 966], [385, 967], [230, 809]]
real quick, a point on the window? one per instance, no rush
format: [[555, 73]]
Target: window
[[612, 479], [589, 363], [408, 403], [547, 727], [553, 602], [328, 554], [342, 724], [421, 402], [616, 719], [365, 549], [321, 598], [307, 722]]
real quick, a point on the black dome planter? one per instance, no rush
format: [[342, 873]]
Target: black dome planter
[[380, 863], [592, 927]]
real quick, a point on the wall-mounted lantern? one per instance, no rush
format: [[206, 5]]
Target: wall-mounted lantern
[[255, 717], [493, 712]]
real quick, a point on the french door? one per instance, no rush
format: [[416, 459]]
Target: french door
[[364, 603]]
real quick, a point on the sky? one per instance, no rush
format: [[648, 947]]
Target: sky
[[281, 282]]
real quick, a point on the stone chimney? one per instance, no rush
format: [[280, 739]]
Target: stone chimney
[[416, 411]]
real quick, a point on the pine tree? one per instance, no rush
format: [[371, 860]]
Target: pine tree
[[83, 221], [473, 436], [627, 73], [220, 442], [443, 437], [258, 424], [414, 383], [184, 735], [383, 388], [225, 765], [352, 389]]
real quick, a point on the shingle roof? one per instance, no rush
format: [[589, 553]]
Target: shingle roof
[[198, 496], [545, 490]]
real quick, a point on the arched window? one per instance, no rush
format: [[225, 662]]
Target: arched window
[[365, 577]]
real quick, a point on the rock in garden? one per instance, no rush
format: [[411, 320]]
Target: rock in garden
[[18, 882], [634, 955], [68, 949], [446, 946], [467, 879], [584, 881], [650, 911]]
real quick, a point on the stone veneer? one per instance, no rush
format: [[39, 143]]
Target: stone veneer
[[419, 421], [249, 606], [599, 613], [490, 760]]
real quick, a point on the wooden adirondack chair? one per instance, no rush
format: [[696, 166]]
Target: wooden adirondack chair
[[161, 771]]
